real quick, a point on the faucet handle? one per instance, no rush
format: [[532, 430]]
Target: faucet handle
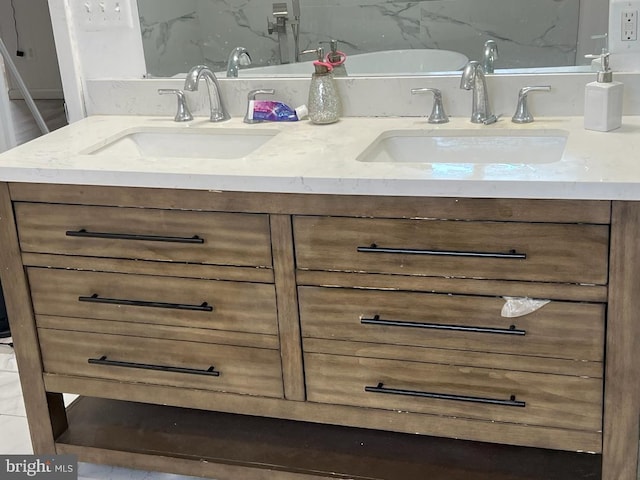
[[183, 114], [318, 51], [251, 96], [438, 114], [266, 91], [523, 115]]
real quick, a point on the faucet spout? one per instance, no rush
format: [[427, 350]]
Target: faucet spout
[[473, 79], [218, 111], [238, 56]]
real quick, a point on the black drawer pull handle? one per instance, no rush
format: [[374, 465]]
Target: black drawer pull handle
[[373, 248], [211, 371], [131, 236], [95, 298], [512, 402], [376, 320]]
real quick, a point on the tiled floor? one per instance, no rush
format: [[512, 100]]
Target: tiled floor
[[14, 432], [25, 126]]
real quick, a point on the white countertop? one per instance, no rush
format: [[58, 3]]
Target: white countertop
[[306, 158]]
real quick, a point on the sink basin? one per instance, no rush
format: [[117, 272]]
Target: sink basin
[[467, 147], [182, 143]]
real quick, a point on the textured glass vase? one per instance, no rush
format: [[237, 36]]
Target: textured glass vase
[[324, 101]]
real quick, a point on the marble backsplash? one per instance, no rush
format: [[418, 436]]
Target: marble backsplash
[[179, 34]]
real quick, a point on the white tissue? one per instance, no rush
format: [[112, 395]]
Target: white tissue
[[521, 306]]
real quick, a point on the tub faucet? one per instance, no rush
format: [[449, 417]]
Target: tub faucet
[[473, 79], [489, 56], [218, 111], [238, 56], [281, 17]]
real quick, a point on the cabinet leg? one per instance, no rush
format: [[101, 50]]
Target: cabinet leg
[[25, 337], [622, 373]]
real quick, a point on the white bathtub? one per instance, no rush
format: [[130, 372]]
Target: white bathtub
[[389, 62]]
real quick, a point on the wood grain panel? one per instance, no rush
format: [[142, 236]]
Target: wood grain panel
[[555, 253], [551, 400], [228, 239], [202, 335], [242, 307], [504, 209], [552, 291], [39, 406], [288, 319], [182, 466], [222, 441], [622, 387], [414, 423], [573, 331], [242, 370], [167, 269], [456, 357]]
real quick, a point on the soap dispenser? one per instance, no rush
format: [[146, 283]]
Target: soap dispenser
[[337, 59], [603, 99], [324, 100]]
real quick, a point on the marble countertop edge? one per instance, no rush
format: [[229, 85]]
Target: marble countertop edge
[[305, 158]]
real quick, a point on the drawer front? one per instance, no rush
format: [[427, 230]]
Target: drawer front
[[573, 331], [488, 394], [203, 366], [148, 234], [217, 305], [509, 251]]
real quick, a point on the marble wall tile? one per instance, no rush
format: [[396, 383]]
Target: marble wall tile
[[227, 24], [171, 36], [529, 34]]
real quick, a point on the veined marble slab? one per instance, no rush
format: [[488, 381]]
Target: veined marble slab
[[306, 158], [529, 34]]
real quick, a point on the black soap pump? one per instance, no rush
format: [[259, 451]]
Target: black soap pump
[[324, 100]]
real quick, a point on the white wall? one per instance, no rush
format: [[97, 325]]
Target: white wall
[[85, 53], [39, 66], [7, 134]]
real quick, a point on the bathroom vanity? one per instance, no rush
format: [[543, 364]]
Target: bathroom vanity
[[312, 312]]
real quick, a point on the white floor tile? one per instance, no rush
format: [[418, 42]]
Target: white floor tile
[[14, 436], [69, 398], [11, 395], [7, 359], [90, 471]]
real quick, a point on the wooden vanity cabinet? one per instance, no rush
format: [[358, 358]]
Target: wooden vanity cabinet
[[250, 320]]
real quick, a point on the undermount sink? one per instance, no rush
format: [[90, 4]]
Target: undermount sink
[[182, 143], [467, 147]]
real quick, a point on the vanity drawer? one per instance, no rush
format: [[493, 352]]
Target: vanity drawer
[[459, 391], [147, 234], [184, 302], [155, 361], [571, 253], [568, 330]]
